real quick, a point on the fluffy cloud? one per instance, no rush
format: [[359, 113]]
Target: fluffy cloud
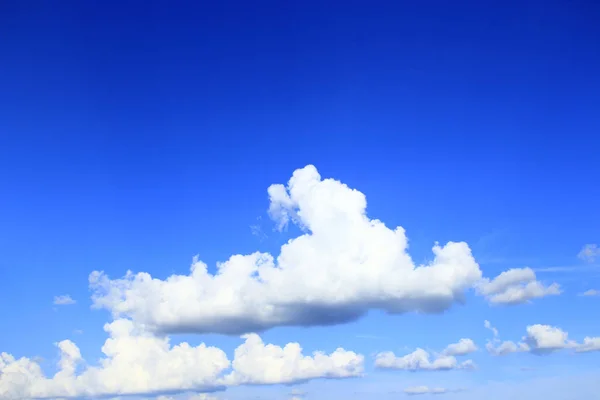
[[422, 360], [515, 286], [463, 347], [546, 339], [417, 390], [287, 364], [63, 300], [343, 265], [589, 253], [542, 339], [137, 362], [588, 344]]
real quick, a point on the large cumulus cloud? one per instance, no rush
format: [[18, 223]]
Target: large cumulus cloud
[[342, 266]]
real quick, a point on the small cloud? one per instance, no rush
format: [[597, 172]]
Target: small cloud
[[63, 300], [417, 390], [543, 339], [78, 332], [421, 360], [591, 292], [488, 325], [463, 347], [257, 230], [589, 252], [515, 286]]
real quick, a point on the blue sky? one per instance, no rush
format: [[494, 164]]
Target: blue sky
[[136, 135]]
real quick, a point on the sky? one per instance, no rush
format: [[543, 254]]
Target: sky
[[299, 200]]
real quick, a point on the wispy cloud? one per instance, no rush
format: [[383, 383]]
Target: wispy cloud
[[591, 292], [63, 300], [589, 252], [257, 230]]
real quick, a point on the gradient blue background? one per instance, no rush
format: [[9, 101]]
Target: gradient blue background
[[136, 134]]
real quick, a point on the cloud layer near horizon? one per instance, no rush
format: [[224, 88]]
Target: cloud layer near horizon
[[342, 266], [139, 363]]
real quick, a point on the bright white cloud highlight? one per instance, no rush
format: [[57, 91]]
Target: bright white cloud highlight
[[343, 265], [138, 363], [63, 300], [516, 286], [589, 253]]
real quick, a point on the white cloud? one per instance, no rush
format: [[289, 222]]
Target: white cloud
[[417, 390], [589, 253], [287, 364], [546, 339], [343, 265], [421, 360], [139, 363], [63, 300], [589, 344], [463, 347], [591, 292], [515, 286], [542, 339], [502, 348]]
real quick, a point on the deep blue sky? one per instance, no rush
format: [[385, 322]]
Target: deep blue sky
[[135, 134]]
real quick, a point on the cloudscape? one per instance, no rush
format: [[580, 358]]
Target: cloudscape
[[341, 265], [299, 200]]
